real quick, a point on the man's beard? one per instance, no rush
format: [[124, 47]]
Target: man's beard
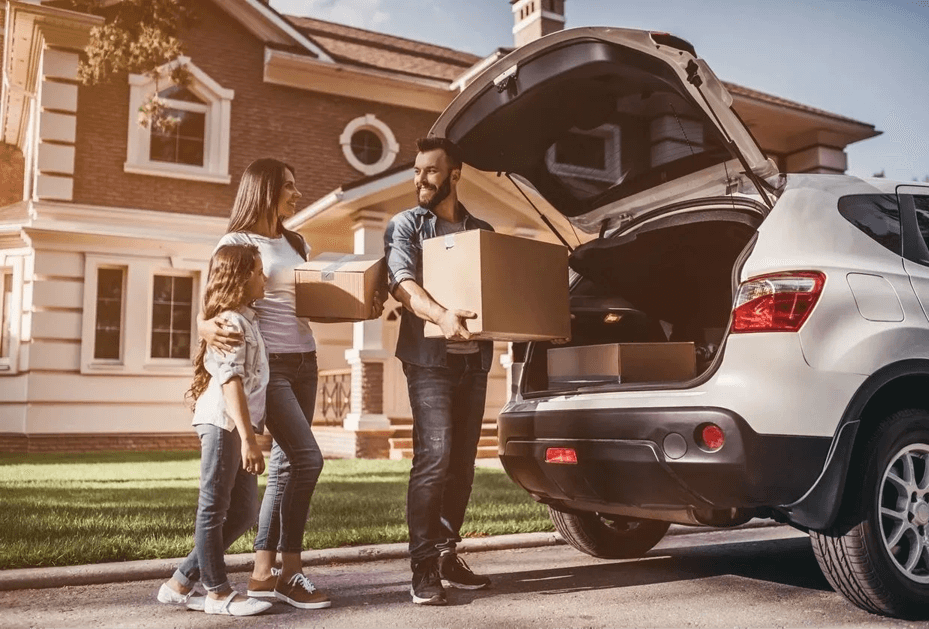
[[441, 193]]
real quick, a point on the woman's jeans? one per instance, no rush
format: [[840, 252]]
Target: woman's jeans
[[296, 461], [227, 507], [448, 409]]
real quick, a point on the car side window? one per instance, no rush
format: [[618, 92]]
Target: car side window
[[922, 215], [878, 216]]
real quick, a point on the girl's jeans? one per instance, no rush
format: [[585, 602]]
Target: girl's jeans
[[227, 507], [296, 461]]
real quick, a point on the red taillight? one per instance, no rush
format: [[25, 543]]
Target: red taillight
[[712, 437], [561, 455], [776, 303]]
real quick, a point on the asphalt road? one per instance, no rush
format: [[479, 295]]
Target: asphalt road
[[765, 577]]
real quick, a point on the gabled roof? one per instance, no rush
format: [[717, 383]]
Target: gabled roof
[[368, 49]]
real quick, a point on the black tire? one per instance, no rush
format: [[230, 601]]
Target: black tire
[[608, 536], [877, 553]]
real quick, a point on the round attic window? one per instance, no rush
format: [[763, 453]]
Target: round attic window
[[369, 145]]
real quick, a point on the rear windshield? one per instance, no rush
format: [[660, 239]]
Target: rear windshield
[[877, 215]]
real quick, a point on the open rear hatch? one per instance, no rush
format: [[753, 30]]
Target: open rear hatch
[[608, 125]]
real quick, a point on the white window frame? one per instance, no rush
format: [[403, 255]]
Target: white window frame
[[118, 361], [138, 302], [150, 360], [369, 122], [218, 109], [610, 135], [9, 365]]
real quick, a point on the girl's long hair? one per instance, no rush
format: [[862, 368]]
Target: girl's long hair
[[256, 201], [229, 272]]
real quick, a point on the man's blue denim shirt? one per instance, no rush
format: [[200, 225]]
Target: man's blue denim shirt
[[403, 248]]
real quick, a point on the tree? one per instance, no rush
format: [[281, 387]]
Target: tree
[[138, 37]]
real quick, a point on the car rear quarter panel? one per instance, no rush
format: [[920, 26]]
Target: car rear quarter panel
[[806, 232]]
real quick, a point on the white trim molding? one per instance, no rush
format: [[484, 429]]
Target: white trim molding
[[217, 107], [389, 146]]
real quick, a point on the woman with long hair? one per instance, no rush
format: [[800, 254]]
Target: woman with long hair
[[228, 395], [267, 195]]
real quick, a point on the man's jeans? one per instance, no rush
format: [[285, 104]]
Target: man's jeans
[[296, 461], [227, 507], [448, 407]]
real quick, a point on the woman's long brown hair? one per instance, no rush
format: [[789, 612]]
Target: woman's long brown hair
[[256, 200], [229, 271]]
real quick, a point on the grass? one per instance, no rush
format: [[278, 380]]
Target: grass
[[71, 509]]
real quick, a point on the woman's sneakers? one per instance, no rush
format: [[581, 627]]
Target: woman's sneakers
[[229, 606], [299, 592], [169, 596]]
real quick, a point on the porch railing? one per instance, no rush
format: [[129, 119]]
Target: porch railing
[[333, 397]]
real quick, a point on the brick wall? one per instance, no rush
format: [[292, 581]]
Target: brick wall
[[12, 172], [98, 442], [297, 126]]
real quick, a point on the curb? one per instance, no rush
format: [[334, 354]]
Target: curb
[[145, 569]]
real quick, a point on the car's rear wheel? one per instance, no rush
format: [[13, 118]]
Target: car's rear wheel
[[608, 536], [877, 554]]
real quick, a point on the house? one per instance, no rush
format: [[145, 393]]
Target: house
[[106, 226]]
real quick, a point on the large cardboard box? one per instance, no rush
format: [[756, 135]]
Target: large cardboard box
[[517, 287], [338, 287], [621, 362]]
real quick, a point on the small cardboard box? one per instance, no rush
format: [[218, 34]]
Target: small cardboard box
[[517, 287], [338, 287], [621, 362]]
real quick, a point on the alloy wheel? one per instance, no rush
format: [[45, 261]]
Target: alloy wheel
[[904, 511]]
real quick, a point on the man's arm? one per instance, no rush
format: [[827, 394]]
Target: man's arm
[[415, 299]]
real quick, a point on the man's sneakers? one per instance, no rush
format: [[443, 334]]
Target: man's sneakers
[[299, 592], [455, 573], [426, 588], [169, 596]]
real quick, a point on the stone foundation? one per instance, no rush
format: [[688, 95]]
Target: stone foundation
[[97, 442]]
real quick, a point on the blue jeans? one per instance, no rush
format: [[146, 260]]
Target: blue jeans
[[227, 507], [296, 461], [448, 408]]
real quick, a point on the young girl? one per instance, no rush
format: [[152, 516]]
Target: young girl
[[229, 392]]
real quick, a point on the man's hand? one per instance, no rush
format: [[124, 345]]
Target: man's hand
[[453, 324], [253, 461], [216, 334], [379, 299]]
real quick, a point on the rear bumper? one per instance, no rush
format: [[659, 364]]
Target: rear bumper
[[630, 461]]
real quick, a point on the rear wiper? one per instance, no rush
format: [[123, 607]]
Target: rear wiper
[[544, 218]]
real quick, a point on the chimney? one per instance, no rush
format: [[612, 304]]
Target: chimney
[[534, 18]]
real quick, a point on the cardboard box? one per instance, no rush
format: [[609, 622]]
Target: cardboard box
[[621, 362], [338, 287], [517, 287]]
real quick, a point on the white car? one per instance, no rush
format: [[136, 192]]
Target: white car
[[805, 296]]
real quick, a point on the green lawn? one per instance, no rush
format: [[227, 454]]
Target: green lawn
[[69, 509]]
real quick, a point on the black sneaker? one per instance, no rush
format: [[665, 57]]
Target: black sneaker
[[427, 586], [456, 573]]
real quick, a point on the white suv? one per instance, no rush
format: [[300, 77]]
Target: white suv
[[805, 296]]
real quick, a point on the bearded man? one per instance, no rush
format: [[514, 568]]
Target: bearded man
[[446, 378]]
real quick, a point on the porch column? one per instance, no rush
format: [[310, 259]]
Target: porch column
[[367, 355]]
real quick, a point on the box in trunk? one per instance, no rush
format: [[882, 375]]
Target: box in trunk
[[337, 287], [517, 287], [621, 362]]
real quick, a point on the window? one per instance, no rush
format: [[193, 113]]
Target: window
[[877, 215], [922, 215], [197, 145], [172, 314], [6, 313], [369, 145], [108, 322], [140, 314], [184, 141]]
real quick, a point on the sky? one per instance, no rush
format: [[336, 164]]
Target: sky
[[864, 59]]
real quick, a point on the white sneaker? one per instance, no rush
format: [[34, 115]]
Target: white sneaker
[[231, 607], [170, 597]]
